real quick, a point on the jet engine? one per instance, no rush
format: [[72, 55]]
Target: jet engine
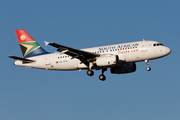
[[125, 68], [107, 60]]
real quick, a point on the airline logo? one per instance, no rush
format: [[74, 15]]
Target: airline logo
[[119, 46], [23, 37], [28, 47], [27, 43]]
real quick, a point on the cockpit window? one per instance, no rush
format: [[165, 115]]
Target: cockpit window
[[161, 44], [158, 44]]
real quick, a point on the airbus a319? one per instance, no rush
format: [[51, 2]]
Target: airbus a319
[[120, 58]]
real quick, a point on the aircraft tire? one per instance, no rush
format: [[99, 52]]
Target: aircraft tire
[[90, 73], [102, 77], [148, 69]]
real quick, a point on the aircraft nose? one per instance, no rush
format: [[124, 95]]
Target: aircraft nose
[[168, 50]]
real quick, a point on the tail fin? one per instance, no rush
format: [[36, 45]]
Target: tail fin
[[29, 46]]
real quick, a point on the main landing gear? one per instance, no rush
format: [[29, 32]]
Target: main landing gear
[[91, 73], [147, 64], [102, 76]]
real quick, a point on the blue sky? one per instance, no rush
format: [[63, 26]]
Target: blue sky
[[27, 94]]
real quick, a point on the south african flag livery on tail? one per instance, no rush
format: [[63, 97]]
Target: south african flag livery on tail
[[29, 46]]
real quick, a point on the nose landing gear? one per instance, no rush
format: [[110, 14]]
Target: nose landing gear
[[147, 64], [148, 69]]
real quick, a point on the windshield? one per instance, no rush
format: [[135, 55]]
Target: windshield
[[158, 44]]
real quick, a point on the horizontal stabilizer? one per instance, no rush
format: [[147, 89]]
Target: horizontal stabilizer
[[21, 59]]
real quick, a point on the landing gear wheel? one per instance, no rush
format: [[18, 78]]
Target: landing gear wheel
[[148, 69], [90, 73], [147, 65], [102, 77]]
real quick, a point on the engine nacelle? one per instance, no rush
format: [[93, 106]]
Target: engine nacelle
[[125, 68], [107, 60]]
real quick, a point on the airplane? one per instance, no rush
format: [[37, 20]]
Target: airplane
[[120, 58]]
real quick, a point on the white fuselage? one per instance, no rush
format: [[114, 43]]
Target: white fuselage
[[127, 52]]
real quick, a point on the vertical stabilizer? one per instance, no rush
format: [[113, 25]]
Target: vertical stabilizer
[[29, 46]]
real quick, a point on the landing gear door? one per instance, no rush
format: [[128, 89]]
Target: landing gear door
[[47, 61], [143, 46]]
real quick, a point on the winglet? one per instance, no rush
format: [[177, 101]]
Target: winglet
[[46, 43]]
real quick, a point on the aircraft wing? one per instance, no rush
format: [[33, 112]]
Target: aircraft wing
[[75, 53]]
